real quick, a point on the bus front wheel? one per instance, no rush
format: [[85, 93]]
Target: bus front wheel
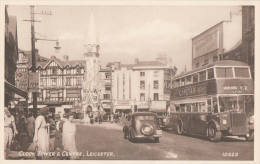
[[251, 136], [179, 128], [213, 133]]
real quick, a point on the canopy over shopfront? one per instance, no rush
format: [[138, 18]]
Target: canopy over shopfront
[[14, 89], [11, 91]]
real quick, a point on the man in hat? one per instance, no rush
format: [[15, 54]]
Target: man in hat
[[9, 129]]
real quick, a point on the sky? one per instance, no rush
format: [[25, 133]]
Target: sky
[[123, 32]]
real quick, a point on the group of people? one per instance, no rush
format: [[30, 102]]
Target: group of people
[[40, 134]]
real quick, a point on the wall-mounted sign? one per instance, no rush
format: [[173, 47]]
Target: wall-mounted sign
[[21, 80], [34, 81], [207, 41]]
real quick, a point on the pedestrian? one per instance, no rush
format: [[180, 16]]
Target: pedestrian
[[41, 136], [23, 133], [9, 130], [30, 126], [68, 135]]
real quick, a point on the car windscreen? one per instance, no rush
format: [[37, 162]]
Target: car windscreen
[[141, 118]]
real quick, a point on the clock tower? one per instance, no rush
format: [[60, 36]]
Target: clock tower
[[91, 83]]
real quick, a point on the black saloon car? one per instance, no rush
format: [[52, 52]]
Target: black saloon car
[[142, 125]]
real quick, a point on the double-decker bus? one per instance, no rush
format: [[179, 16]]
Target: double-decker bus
[[215, 100]]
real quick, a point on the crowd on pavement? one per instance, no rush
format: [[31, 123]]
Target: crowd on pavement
[[44, 131], [40, 134]]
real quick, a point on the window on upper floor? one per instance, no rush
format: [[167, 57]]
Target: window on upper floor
[[156, 96], [78, 70], [107, 75], [142, 84], [142, 74], [54, 71], [142, 97], [155, 84]]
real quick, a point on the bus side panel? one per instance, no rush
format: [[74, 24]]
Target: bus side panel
[[199, 123], [185, 118]]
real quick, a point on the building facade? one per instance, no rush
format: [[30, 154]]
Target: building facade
[[11, 57], [136, 86], [60, 82], [212, 44]]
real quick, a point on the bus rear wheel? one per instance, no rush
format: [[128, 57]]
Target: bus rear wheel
[[213, 133], [179, 128]]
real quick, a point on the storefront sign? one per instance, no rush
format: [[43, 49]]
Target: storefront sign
[[21, 80], [34, 81], [73, 93]]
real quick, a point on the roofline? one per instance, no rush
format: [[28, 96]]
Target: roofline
[[205, 31]]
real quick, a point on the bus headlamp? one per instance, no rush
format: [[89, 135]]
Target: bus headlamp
[[251, 119], [224, 122]]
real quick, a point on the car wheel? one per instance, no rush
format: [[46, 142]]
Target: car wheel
[[125, 135], [156, 140], [179, 128], [213, 133], [251, 136]]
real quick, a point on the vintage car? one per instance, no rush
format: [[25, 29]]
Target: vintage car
[[142, 125]]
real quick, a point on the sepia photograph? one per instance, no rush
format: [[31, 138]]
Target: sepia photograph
[[129, 82]]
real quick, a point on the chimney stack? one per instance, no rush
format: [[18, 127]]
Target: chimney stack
[[66, 58]]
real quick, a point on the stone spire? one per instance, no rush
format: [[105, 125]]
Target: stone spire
[[92, 35], [91, 44]]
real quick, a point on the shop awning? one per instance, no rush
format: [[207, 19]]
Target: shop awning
[[15, 89]]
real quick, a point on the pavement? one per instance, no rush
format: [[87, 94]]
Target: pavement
[[95, 140]]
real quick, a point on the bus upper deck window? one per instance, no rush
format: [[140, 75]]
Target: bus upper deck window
[[210, 73], [242, 72], [224, 72], [202, 76], [195, 78], [188, 80]]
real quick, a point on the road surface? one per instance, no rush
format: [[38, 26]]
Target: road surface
[[106, 141]]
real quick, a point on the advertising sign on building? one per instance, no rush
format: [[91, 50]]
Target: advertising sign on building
[[73, 93], [21, 80], [34, 81], [206, 42]]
